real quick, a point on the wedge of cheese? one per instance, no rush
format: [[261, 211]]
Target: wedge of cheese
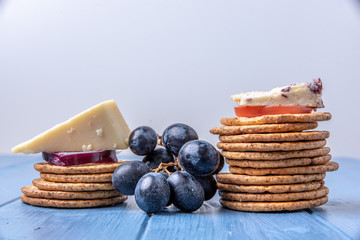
[[101, 127], [303, 94]]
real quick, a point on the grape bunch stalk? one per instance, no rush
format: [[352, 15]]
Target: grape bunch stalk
[[179, 171]]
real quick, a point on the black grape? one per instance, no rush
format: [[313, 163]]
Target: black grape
[[176, 135], [199, 158], [209, 185], [221, 164], [166, 176], [158, 156], [127, 175], [187, 194], [152, 192], [142, 140]]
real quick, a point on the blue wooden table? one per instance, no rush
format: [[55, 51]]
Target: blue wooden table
[[338, 219]]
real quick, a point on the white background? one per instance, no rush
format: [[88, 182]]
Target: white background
[[173, 61]]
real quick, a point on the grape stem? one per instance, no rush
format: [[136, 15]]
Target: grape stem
[[163, 167], [160, 140]]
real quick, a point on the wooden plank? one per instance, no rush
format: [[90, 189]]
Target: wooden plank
[[343, 208], [22, 221], [338, 219], [214, 222], [16, 172]]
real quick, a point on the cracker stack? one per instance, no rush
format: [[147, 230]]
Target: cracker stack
[[276, 164], [81, 186]]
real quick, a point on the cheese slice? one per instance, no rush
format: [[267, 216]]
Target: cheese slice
[[304, 94], [101, 127]]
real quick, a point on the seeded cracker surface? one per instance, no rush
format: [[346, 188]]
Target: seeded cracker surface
[[274, 197], [268, 180], [275, 137], [71, 187], [79, 169], [268, 128], [32, 191], [276, 155], [327, 167], [273, 206], [299, 187], [283, 146], [94, 178], [43, 202], [292, 162]]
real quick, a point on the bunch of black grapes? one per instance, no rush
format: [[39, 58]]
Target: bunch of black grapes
[[180, 173]]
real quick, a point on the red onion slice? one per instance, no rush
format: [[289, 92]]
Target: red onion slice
[[78, 158]]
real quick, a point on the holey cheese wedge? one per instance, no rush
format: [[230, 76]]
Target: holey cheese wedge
[[101, 127]]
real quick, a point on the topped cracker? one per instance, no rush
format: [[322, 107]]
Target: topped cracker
[[282, 118]]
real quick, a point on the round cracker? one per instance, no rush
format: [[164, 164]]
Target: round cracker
[[78, 169], [292, 162], [273, 206], [279, 155], [323, 168], [299, 187], [267, 128], [227, 177], [275, 137], [274, 197], [71, 187], [32, 191], [281, 118], [56, 203], [261, 147], [78, 178]]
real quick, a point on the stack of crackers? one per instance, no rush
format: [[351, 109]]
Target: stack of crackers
[[276, 164], [80, 186]]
